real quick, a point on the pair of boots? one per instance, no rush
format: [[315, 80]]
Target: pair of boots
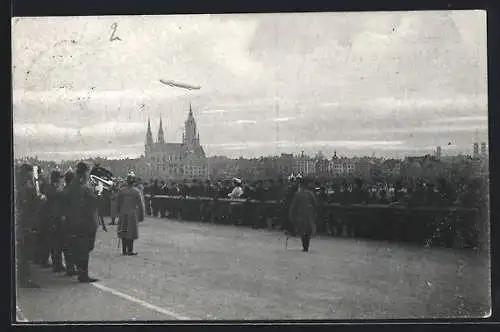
[[56, 256], [83, 271], [306, 239], [128, 247], [71, 269]]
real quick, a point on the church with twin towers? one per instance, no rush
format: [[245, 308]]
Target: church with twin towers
[[175, 161]]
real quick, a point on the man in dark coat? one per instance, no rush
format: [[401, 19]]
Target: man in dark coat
[[83, 219], [54, 220], [291, 190], [43, 221], [68, 242], [303, 212], [26, 219]]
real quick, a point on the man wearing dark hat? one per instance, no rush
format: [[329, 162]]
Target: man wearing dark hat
[[83, 219], [26, 219]]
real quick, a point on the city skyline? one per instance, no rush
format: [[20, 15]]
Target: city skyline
[[397, 84]]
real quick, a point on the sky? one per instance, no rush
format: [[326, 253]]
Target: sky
[[384, 83]]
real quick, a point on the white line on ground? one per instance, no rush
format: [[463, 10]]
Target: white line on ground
[[140, 302]]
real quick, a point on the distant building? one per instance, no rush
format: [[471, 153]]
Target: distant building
[[476, 150], [484, 151], [185, 160], [322, 167], [476, 166], [438, 152], [285, 164], [391, 167], [341, 166], [303, 164], [364, 167]]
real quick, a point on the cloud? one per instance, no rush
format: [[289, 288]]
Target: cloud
[[478, 118], [216, 111], [347, 144], [21, 96], [244, 122], [379, 76], [285, 119], [440, 129], [101, 130]]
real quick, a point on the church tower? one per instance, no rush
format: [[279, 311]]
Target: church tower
[[191, 137], [149, 139], [161, 135]]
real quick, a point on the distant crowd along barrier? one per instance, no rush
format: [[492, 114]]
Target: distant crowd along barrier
[[454, 227]]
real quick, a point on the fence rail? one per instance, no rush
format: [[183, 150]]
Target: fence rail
[[455, 226]]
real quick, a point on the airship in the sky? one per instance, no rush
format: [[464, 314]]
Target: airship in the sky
[[180, 85]]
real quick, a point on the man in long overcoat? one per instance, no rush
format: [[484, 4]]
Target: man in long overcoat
[[303, 212], [68, 241], [54, 210], [26, 220], [131, 212], [114, 204], [83, 219], [43, 221]]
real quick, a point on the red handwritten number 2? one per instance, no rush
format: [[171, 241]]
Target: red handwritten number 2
[[113, 37]]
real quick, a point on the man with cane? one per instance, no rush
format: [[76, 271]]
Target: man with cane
[[303, 212]]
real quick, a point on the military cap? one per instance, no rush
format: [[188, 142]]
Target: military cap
[[82, 167], [55, 176]]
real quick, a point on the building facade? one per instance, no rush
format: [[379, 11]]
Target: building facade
[[341, 166], [304, 165], [185, 160]]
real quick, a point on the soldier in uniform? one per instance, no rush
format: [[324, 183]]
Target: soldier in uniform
[[131, 212], [292, 188], [26, 218], [113, 199], [68, 243], [83, 219], [42, 228], [54, 220], [303, 212]]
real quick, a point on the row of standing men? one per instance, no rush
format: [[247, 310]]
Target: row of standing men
[[299, 211], [59, 221]]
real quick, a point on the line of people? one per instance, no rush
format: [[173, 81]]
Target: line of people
[[298, 209], [58, 221], [416, 193]]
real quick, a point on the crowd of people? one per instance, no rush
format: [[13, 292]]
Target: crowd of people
[[264, 204], [464, 192], [57, 218]]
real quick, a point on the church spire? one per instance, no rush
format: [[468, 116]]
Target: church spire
[[149, 134], [161, 136]]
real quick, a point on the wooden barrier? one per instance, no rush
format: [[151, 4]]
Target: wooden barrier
[[454, 226]]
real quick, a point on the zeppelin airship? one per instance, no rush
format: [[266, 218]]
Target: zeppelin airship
[[180, 85]]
